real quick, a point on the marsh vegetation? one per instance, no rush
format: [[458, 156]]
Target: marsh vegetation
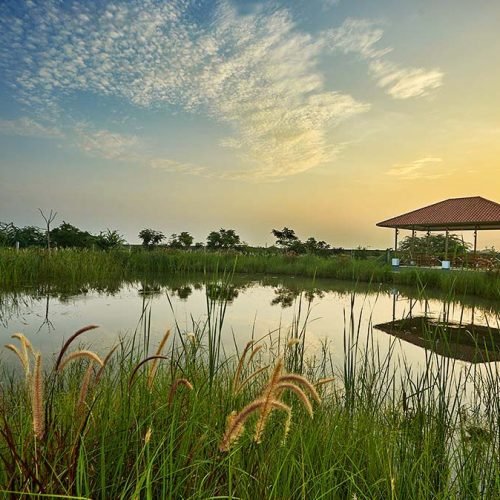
[[181, 416]]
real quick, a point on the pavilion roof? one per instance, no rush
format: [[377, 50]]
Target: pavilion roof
[[468, 213]]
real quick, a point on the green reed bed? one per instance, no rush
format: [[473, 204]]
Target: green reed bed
[[163, 421], [23, 268]]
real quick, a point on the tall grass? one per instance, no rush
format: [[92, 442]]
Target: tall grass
[[94, 268], [134, 430]]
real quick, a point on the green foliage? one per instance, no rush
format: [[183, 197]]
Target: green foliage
[[28, 236], [224, 239], [69, 236], [84, 266], [181, 240], [288, 240], [109, 240], [151, 237], [311, 245], [434, 244]]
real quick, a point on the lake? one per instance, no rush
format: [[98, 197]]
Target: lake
[[325, 311]]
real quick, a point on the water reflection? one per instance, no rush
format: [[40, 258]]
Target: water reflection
[[463, 339], [256, 306]]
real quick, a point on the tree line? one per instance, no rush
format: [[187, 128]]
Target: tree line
[[66, 235]]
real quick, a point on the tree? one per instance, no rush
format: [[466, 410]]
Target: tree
[[285, 238], [434, 244], [48, 221], [288, 240], [223, 239], [109, 240], [28, 236], [182, 240], [68, 236], [151, 238], [316, 247]]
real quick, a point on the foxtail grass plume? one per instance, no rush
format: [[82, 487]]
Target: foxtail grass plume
[[154, 364], [104, 363], [84, 388], [70, 340], [180, 381], [268, 401], [237, 384], [92, 356], [236, 422], [23, 353], [37, 398]]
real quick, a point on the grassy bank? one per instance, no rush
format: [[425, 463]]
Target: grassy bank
[[161, 428], [27, 267]]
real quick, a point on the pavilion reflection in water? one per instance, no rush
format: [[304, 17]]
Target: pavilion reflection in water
[[462, 340]]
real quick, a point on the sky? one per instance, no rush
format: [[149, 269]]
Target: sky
[[325, 116]]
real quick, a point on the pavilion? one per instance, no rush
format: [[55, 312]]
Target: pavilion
[[456, 214]]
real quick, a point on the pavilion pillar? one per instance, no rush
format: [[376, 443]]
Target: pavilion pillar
[[396, 232], [446, 246], [475, 241]]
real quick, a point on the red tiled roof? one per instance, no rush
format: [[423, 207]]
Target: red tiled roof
[[456, 213]]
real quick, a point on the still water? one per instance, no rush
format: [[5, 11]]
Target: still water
[[256, 307]]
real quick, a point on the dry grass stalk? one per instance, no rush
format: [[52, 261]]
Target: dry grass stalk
[[147, 436], [37, 398], [84, 389], [299, 379], [236, 422], [92, 356], [299, 392], [250, 378], [268, 397], [241, 362], [136, 369], [254, 352], [70, 340], [180, 381], [154, 364], [23, 353], [104, 363], [267, 402], [26, 344], [22, 358], [323, 381]]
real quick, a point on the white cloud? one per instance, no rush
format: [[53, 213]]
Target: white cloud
[[403, 83], [426, 168], [362, 36], [28, 127], [358, 36], [256, 73]]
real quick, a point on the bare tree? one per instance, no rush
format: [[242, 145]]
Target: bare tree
[[48, 221]]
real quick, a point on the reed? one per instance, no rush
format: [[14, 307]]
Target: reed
[[87, 268], [385, 431]]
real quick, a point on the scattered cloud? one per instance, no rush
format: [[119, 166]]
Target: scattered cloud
[[255, 73], [359, 36], [425, 168], [173, 166], [362, 37], [403, 83], [28, 127], [106, 144]]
